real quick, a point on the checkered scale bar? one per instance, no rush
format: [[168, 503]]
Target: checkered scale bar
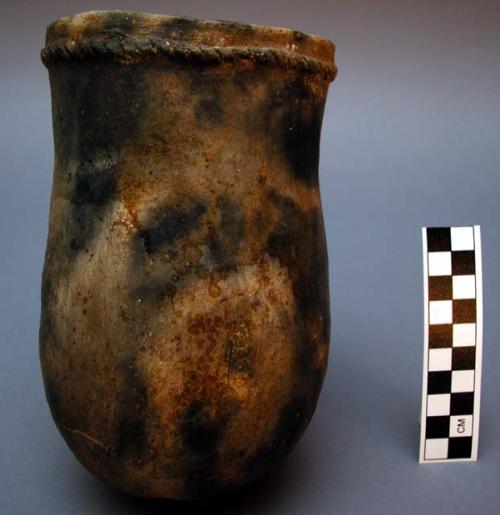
[[452, 344]]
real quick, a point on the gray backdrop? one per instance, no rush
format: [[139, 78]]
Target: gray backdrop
[[410, 138]]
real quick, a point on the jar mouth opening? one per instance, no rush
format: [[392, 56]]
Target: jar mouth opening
[[130, 32]]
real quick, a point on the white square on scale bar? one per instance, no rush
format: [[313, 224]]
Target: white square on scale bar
[[436, 449], [439, 359], [462, 381], [462, 238], [439, 263], [461, 425], [438, 405], [464, 335], [440, 312], [464, 286]]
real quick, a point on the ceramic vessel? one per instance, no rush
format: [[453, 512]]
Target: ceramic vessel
[[185, 311]]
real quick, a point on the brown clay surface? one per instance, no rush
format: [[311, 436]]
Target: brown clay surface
[[185, 312]]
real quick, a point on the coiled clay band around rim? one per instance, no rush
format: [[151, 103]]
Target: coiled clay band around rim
[[122, 47]]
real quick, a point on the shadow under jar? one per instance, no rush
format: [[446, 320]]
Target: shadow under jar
[[185, 310]]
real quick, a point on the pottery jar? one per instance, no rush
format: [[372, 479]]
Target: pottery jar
[[185, 307]]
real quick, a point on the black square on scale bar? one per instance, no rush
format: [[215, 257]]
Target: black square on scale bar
[[440, 335], [463, 358], [464, 311], [462, 403], [463, 262], [438, 239], [437, 427], [440, 287], [460, 447], [439, 382]]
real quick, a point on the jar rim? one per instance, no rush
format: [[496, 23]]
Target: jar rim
[[133, 33]]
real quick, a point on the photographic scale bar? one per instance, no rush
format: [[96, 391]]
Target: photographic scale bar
[[453, 326]]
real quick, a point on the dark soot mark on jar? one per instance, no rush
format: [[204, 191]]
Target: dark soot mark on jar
[[121, 23], [170, 224], [209, 104], [204, 85], [181, 28], [239, 356], [56, 30], [209, 113], [54, 401], [244, 83], [238, 27], [292, 422], [92, 124], [131, 433], [48, 334], [154, 292], [225, 242], [300, 37], [298, 243], [95, 184], [293, 115], [202, 432]]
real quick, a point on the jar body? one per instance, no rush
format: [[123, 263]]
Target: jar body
[[185, 312]]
